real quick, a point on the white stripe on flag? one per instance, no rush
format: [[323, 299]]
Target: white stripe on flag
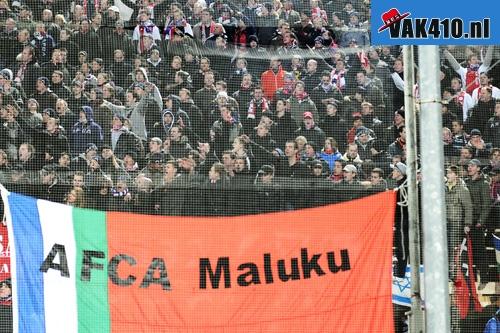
[[61, 313], [496, 242], [12, 245]]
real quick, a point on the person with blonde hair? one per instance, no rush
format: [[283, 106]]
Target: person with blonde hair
[[76, 197]]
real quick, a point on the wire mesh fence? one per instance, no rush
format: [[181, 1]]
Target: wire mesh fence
[[228, 108]]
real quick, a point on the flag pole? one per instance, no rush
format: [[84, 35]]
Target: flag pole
[[437, 298], [416, 315]]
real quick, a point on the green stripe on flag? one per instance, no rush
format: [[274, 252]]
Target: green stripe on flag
[[90, 234]]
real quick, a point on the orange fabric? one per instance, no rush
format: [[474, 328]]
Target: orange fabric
[[271, 82], [354, 300]]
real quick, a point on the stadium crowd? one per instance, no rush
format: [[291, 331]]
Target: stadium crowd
[[226, 107]]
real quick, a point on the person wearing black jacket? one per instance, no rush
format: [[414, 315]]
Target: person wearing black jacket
[[52, 139], [58, 87], [479, 190], [121, 139], [44, 96], [401, 222], [27, 71]]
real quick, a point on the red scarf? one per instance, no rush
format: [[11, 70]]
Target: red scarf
[[471, 80], [203, 31], [85, 6], [338, 78], [256, 105]]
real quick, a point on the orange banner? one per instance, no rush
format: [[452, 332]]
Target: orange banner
[[324, 269]]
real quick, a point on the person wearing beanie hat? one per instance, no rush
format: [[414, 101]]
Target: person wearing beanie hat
[[8, 88], [44, 80], [479, 148], [6, 74]]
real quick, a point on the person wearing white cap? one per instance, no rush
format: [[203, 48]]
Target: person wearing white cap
[[350, 173], [110, 16]]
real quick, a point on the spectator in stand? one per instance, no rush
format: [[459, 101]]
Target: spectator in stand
[[351, 155], [272, 79], [470, 74], [481, 205], [266, 23], [145, 28], [43, 95], [480, 149], [310, 130], [6, 305], [58, 87], [369, 148], [11, 132], [43, 43], [291, 166], [76, 198], [460, 138], [301, 103], [458, 213], [484, 110], [87, 40], [121, 140], [85, 132], [257, 106], [398, 147], [356, 31], [492, 134], [485, 81]]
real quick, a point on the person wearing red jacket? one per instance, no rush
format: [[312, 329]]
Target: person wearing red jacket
[[272, 79]]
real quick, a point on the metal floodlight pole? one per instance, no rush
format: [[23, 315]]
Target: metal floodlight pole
[[437, 300], [416, 313]]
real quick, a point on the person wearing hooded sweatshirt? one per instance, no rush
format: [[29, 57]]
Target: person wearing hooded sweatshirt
[[86, 131], [141, 76], [134, 110], [368, 148], [162, 129]]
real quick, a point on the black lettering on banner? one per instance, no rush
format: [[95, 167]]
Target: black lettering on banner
[[253, 272], [206, 269], [310, 265], [434, 28], [157, 264], [88, 265], [394, 29], [268, 270], [407, 31], [294, 274], [49, 263], [420, 31], [345, 265], [113, 270]]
